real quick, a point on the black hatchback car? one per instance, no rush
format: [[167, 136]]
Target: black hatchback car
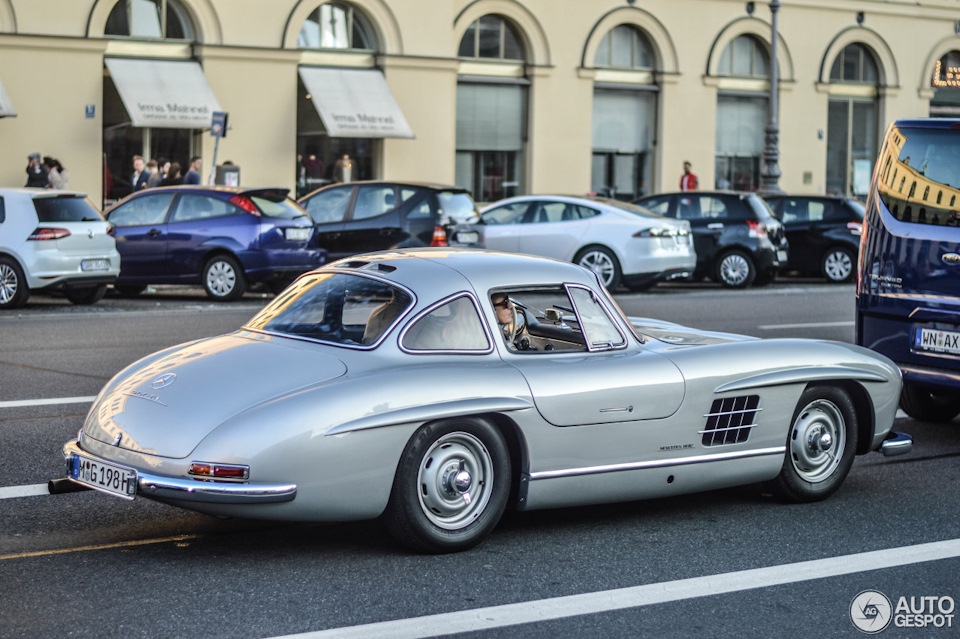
[[738, 240], [358, 217], [823, 231]]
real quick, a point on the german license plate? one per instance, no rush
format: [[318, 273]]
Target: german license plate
[[929, 339], [468, 237], [112, 479], [298, 234], [781, 256], [94, 265]]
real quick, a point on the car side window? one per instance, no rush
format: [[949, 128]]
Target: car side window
[[193, 207], [794, 211], [453, 326], [374, 200], [660, 204], [582, 212], [141, 211], [817, 211], [599, 330], [3, 211], [423, 209], [713, 207], [507, 214], [548, 212], [329, 205]]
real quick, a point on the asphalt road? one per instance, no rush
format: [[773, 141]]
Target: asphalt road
[[730, 563]]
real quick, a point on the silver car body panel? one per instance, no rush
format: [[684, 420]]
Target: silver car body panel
[[334, 421]]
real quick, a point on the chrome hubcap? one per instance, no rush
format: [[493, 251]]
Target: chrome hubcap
[[221, 278], [454, 480], [8, 283], [838, 266], [734, 269], [600, 264], [817, 440]]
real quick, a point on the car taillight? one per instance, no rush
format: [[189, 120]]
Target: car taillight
[[246, 204], [655, 232], [222, 471], [757, 229], [42, 233], [855, 228], [112, 231], [439, 236]]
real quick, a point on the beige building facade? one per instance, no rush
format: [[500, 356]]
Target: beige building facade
[[500, 96]]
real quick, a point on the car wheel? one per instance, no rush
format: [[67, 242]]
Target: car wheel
[[837, 264], [86, 296], [603, 262], [129, 290], [736, 270], [821, 444], [13, 286], [451, 486], [223, 279], [928, 405]]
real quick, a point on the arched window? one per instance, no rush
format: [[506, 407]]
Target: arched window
[[854, 64], [946, 86], [164, 19], [336, 25], [744, 56], [624, 47], [491, 37]]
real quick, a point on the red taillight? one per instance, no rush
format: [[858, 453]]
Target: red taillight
[[40, 234], [223, 471], [246, 204], [112, 231], [439, 236], [756, 229]]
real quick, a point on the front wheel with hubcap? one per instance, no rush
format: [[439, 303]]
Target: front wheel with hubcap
[[451, 486], [821, 445], [13, 286], [837, 264], [223, 279], [736, 270], [603, 262]]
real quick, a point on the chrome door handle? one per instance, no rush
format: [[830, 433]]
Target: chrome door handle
[[625, 409]]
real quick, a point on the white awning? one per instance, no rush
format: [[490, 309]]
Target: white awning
[[6, 107], [355, 103], [163, 93]]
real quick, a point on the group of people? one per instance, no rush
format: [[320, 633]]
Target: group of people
[[46, 172], [163, 172]]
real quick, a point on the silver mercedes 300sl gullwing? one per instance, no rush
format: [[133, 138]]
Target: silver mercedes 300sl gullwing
[[436, 387]]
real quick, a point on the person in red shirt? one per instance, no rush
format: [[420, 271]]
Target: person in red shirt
[[688, 181]]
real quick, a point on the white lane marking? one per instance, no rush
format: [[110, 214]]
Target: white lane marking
[[777, 327], [33, 490], [52, 401], [478, 619]]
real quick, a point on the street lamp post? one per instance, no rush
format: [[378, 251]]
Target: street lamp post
[[770, 173]]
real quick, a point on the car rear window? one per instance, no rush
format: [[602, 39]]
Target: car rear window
[[919, 179], [759, 208], [457, 206], [342, 309], [284, 209], [65, 209]]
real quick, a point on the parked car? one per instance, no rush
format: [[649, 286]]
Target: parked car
[[738, 240], [620, 242], [370, 216], [53, 241], [221, 237], [908, 284], [437, 387], [823, 232]]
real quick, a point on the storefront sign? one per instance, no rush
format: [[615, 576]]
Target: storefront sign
[[6, 108], [162, 93], [946, 76], [355, 103]]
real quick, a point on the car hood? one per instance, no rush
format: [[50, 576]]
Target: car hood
[[677, 335], [167, 406]]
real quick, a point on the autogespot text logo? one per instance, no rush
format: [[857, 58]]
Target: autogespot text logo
[[871, 612]]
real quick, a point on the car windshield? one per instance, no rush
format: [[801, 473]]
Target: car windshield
[[459, 207], [636, 209], [343, 309], [285, 209], [65, 209]]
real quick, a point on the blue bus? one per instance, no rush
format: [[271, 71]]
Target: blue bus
[[908, 284]]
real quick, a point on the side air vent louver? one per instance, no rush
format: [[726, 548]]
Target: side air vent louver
[[730, 420]]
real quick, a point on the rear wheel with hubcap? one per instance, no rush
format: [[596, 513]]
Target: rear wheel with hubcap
[[837, 264], [13, 286], [736, 270], [451, 486], [603, 262], [223, 279]]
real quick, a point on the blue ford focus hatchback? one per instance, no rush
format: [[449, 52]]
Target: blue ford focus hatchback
[[908, 289], [223, 238]]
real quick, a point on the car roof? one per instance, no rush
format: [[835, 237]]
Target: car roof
[[433, 186], [929, 123], [38, 192], [434, 273], [700, 192]]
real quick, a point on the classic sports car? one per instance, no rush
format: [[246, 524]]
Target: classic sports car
[[437, 387]]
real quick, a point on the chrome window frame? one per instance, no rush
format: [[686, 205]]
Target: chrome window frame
[[606, 309]]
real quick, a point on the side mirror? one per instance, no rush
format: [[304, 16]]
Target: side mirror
[[552, 315]]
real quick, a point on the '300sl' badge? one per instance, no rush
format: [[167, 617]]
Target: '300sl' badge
[[163, 381]]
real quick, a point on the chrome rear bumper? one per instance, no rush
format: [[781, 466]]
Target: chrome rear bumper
[[211, 492], [896, 443]]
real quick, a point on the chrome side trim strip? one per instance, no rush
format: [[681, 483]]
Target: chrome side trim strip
[[666, 463], [800, 375], [428, 412]]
